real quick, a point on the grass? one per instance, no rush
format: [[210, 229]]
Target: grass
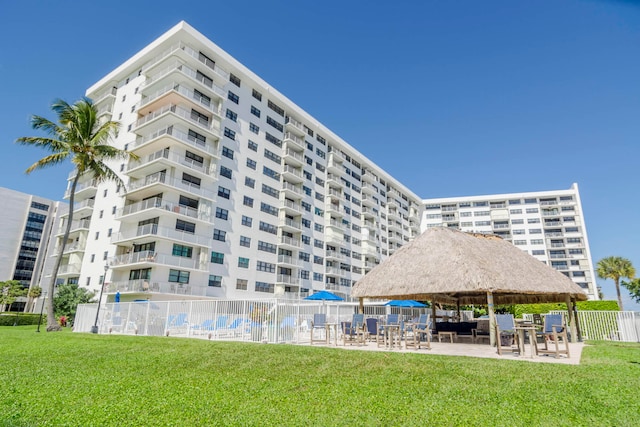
[[79, 379]]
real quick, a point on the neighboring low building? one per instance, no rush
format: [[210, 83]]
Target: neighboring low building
[[549, 225], [25, 244]]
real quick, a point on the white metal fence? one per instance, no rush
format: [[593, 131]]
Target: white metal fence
[[606, 325], [271, 320]]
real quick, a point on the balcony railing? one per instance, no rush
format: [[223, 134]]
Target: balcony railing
[[70, 269], [205, 168], [287, 259], [189, 51], [142, 285], [288, 136], [290, 280], [160, 177], [166, 232], [285, 240], [290, 223], [159, 258], [158, 203], [187, 92], [177, 134], [209, 125]]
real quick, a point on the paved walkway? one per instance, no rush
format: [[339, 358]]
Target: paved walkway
[[473, 350]]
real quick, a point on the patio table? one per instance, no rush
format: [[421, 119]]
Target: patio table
[[451, 334], [533, 345], [327, 328], [391, 332]]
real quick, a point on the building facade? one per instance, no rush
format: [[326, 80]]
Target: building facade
[[238, 192], [549, 225], [26, 247]]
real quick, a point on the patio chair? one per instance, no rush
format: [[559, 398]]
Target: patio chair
[[354, 331], [319, 323], [373, 331], [505, 331], [554, 330], [418, 331], [176, 322], [288, 328]]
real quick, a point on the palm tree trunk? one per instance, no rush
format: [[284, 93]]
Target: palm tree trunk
[[52, 323], [619, 296]]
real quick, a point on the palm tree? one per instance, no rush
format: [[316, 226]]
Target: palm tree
[[615, 267], [33, 293], [80, 137]]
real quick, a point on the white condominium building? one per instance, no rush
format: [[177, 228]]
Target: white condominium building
[[26, 250], [238, 192], [547, 224]]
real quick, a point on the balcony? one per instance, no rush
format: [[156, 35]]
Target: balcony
[[288, 280], [287, 260], [368, 189], [335, 224], [182, 73], [160, 179], [368, 213], [142, 167], [82, 208], [290, 225], [334, 255], [172, 134], [84, 190], [76, 225], [333, 236], [185, 52], [150, 258], [290, 242], [368, 201], [166, 116], [76, 247], [294, 141], [335, 163], [294, 125], [130, 211], [334, 195], [292, 157], [109, 94], [292, 191], [292, 174], [175, 93], [153, 230], [370, 177], [69, 270], [290, 207], [334, 209], [141, 285]]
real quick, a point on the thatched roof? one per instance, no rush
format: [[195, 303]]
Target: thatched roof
[[449, 266]]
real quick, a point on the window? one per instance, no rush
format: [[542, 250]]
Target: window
[[318, 227], [245, 241], [251, 164], [270, 191], [318, 243], [185, 201], [306, 239], [234, 79], [233, 97], [255, 111], [215, 281], [272, 139], [191, 180], [222, 213], [275, 124], [252, 146], [533, 221], [219, 235], [318, 277], [250, 182], [265, 266], [247, 201], [226, 172], [304, 274], [194, 158], [264, 287], [109, 232], [266, 247], [105, 255], [229, 134], [304, 256], [224, 192], [272, 156], [187, 227], [530, 201], [231, 115], [93, 257], [217, 257], [269, 228], [270, 173], [532, 210], [246, 221], [254, 128], [257, 95], [97, 235], [265, 207], [196, 137], [243, 262], [177, 276], [538, 252], [275, 108], [182, 251], [241, 284], [141, 274]]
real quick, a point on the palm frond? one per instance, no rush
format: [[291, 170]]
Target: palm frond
[[48, 161]]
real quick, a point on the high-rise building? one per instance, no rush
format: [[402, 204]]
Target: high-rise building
[[238, 192], [549, 225], [25, 246]]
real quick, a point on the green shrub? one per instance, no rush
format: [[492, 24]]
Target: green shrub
[[9, 319], [520, 309]]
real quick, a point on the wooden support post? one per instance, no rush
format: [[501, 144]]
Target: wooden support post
[[492, 319], [572, 319], [361, 306]]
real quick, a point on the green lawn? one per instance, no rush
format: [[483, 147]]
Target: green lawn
[[84, 380]]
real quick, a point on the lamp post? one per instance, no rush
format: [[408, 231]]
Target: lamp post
[[94, 328], [44, 296]]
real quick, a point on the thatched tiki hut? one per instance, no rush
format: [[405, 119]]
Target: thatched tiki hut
[[451, 267]]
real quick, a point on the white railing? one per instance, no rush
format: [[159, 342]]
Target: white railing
[[204, 167], [69, 269], [288, 136], [155, 257], [155, 230], [176, 48], [158, 203], [289, 280], [177, 134], [287, 259], [209, 125], [285, 240], [160, 177], [186, 91]]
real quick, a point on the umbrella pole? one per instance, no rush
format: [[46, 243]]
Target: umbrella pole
[[492, 319]]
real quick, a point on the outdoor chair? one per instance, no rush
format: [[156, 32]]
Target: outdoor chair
[[373, 331], [394, 319], [354, 331], [554, 330], [319, 323], [505, 332], [176, 322], [481, 331], [417, 332]]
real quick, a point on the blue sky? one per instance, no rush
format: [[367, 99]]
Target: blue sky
[[452, 98]]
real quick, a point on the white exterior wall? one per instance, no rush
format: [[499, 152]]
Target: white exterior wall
[[168, 65], [547, 224]]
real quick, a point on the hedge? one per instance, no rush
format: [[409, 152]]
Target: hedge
[[520, 309], [9, 319]]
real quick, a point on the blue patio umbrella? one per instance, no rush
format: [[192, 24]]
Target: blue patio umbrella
[[406, 303], [117, 297], [324, 296]]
